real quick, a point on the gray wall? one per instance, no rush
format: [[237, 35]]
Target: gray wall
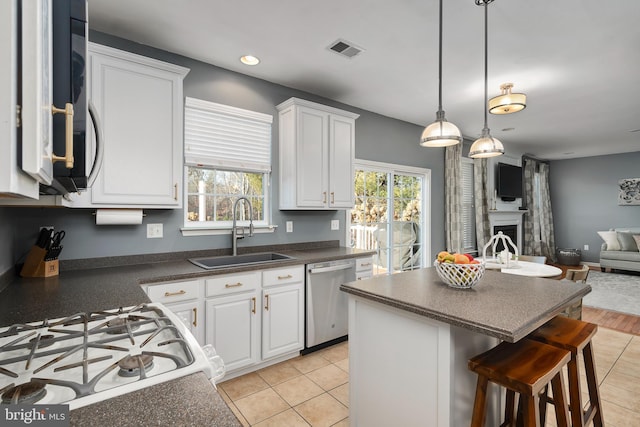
[[584, 197], [378, 138]]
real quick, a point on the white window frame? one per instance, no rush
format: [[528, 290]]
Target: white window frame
[[423, 173], [237, 156]]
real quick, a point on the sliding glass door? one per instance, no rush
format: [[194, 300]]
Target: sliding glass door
[[391, 215]]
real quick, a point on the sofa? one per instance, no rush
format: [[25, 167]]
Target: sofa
[[620, 250]]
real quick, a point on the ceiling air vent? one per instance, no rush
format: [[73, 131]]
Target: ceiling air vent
[[345, 48]]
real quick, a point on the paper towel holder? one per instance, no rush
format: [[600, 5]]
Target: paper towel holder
[[122, 211]]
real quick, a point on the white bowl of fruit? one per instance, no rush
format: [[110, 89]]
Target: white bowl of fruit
[[459, 270]]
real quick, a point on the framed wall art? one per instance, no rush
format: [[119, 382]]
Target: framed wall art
[[629, 194]]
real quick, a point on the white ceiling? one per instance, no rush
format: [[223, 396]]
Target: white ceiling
[[578, 61]]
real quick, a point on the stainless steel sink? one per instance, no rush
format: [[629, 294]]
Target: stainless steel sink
[[211, 263]]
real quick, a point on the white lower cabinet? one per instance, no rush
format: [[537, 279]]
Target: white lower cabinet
[[192, 315], [232, 328], [185, 300], [364, 268], [282, 311], [252, 319]]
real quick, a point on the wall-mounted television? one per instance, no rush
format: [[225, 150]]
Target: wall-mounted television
[[509, 182]]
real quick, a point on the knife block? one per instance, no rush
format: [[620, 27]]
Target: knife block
[[36, 266]]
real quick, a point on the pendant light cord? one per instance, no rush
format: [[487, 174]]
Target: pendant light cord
[[440, 62], [485, 3]]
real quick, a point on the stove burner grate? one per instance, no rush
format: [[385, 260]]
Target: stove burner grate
[[44, 341], [119, 325], [24, 394]]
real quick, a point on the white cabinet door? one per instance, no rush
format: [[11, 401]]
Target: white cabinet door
[[140, 103], [282, 320], [13, 181], [317, 147], [364, 268], [342, 154], [192, 315], [312, 156], [232, 327]]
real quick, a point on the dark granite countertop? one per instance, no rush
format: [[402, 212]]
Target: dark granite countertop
[[502, 305], [113, 282]]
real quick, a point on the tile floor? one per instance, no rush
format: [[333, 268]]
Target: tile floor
[[313, 390]]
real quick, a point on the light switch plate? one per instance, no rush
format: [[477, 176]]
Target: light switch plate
[[289, 226], [335, 224], [154, 231]]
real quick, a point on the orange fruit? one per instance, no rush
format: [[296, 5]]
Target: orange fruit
[[461, 259]]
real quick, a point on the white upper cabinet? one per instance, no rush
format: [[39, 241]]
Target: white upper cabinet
[[140, 103], [14, 181], [317, 149]]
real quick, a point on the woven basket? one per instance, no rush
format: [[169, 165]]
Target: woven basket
[[463, 276]]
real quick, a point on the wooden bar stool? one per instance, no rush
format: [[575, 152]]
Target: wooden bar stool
[[525, 367], [575, 336]]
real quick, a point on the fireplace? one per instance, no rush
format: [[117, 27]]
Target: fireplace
[[508, 230], [510, 223]]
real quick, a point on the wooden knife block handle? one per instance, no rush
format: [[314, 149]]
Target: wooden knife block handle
[[36, 266]]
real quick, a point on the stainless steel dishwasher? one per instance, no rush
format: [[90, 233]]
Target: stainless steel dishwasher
[[326, 304]]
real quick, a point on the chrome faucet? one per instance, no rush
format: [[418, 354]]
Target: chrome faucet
[[238, 232]]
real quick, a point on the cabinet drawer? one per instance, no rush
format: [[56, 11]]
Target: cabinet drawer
[[364, 264], [174, 292], [232, 283], [282, 276]]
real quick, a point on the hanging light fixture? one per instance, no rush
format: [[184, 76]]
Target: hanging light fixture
[[486, 145], [440, 133], [507, 102]]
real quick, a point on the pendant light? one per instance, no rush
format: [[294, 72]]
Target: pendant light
[[507, 102], [486, 145], [440, 133]]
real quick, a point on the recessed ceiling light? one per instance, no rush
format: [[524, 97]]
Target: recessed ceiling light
[[249, 60]]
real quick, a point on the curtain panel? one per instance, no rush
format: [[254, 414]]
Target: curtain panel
[[453, 198]]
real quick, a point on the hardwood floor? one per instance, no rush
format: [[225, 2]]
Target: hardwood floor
[[621, 322]]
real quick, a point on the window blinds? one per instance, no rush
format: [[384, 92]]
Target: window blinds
[[468, 208], [224, 137]]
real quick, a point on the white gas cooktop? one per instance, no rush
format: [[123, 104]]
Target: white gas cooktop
[[90, 357]]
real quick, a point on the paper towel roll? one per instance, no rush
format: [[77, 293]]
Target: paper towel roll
[[118, 216]]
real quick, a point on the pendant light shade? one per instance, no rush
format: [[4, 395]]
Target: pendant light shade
[[486, 145], [507, 102], [440, 133]]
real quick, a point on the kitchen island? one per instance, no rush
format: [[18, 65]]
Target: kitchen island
[[411, 335]]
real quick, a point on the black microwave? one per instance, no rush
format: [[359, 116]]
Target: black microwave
[[69, 74]]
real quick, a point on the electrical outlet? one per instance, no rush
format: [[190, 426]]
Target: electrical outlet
[[289, 226], [585, 247], [335, 224], [154, 231]]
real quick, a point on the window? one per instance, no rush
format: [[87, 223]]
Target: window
[[227, 154], [391, 215], [468, 208]]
